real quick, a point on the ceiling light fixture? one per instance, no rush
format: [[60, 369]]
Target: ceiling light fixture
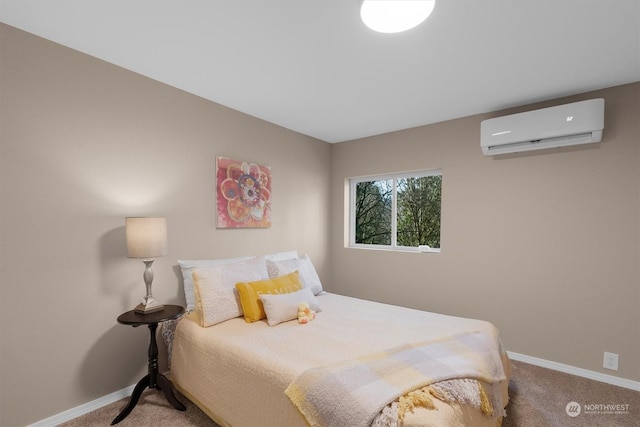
[[394, 16]]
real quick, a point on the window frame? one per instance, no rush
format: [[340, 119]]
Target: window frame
[[394, 177]]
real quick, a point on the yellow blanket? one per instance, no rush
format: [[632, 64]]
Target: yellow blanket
[[351, 393]]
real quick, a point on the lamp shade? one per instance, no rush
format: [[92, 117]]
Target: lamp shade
[[146, 237]]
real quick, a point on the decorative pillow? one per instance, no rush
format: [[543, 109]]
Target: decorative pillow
[[217, 299], [308, 271], [187, 266], [279, 268], [282, 308], [250, 293], [308, 275]]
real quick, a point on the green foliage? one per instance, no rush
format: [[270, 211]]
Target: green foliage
[[418, 219], [418, 211], [373, 212]]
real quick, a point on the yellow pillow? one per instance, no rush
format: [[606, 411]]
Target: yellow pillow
[[250, 293]]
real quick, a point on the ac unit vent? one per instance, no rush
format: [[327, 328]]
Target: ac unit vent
[[564, 125]]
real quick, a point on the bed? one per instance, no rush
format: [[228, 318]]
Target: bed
[[270, 371]]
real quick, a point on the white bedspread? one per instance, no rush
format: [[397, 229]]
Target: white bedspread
[[237, 372]]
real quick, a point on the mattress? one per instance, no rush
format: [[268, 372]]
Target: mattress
[[237, 371]]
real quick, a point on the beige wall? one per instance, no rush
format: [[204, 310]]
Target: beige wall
[[83, 145], [545, 245]]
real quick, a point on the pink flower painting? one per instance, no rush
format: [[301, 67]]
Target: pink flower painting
[[244, 194]]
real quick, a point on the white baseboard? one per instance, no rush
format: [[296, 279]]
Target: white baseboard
[[72, 413], [568, 369]]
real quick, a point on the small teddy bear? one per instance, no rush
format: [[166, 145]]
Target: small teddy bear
[[305, 314]]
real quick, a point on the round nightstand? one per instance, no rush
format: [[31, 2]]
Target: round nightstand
[[153, 379]]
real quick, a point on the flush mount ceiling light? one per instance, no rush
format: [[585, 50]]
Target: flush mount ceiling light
[[394, 16]]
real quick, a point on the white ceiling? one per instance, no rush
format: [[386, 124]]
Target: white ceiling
[[312, 66]]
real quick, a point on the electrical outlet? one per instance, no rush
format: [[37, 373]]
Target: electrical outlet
[[610, 361]]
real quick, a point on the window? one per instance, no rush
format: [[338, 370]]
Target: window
[[399, 211]]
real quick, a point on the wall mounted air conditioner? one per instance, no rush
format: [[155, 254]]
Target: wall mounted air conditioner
[[570, 124]]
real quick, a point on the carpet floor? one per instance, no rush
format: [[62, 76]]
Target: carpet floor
[[539, 397]]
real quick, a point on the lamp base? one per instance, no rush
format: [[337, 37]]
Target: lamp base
[[148, 305]]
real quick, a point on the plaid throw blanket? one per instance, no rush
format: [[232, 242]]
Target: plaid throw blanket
[[351, 393]]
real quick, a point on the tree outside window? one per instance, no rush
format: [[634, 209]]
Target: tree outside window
[[396, 211]]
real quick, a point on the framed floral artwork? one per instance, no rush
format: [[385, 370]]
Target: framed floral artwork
[[243, 194]]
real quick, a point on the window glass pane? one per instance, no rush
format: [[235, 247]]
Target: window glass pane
[[418, 211], [397, 211], [373, 206]]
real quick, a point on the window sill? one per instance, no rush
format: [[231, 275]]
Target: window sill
[[418, 250]]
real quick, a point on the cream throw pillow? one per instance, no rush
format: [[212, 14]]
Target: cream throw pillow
[[217, 299], [187, 267], [282, 308]]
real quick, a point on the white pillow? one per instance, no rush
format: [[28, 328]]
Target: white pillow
[[308, 272], [284, 267], [278, 256], [217, 298], [284, 307], [308, 275], [187, 266]]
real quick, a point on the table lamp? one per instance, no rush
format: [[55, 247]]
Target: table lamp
[[146, 239]]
